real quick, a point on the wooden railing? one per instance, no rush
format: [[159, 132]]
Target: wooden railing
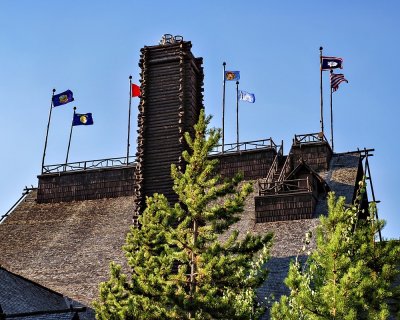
[[25, 192], [309, 138], [274, 167], [88, 165], [287, 167], [286, 186], [245, 146]]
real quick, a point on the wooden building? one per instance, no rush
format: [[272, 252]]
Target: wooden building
[[64, 234]]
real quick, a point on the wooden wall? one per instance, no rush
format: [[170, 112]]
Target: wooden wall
[[86, 185], [254, 164], [170, 103], [280, 207], [316, 155]]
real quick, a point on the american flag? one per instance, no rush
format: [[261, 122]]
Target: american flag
[[336, 79]]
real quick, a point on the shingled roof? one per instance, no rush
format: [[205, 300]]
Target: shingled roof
[[66, 246], [341, 177], [21, 298]]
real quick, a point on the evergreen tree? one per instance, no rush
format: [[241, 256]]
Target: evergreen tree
[[179, 267], [349, 275]]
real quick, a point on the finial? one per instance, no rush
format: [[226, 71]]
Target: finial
[[237, 82], [130, 77], [224, 63], [74, 108], [320, 48], [54, 90]]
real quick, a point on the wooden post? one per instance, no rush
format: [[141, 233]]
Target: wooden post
[[331, 90], [322, 102], [223, 109], [372, 189], [237, 115]]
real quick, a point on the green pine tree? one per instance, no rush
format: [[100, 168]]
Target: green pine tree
[[179, 267], [349, 276]]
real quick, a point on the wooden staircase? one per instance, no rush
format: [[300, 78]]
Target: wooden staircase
[[280, 168]]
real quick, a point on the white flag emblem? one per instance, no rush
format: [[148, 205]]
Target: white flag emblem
[[247, 96]]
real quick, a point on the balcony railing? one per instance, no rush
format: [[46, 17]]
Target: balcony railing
[[309, 138], [286, 186], [88, 165], [245, 146]]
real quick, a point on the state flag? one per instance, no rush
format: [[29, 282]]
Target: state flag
[[63, 98], [247, 96], [85, 119], [329, 63], [231, 75]]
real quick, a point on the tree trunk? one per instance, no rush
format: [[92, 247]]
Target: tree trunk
[[193, 267]]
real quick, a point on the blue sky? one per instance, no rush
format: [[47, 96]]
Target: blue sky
[[91, 47]]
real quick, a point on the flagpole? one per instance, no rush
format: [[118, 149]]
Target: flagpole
[[322, 102], [47, 131], [223, 109], [237, 115], [129, 120], [70, 136], [331, 114]]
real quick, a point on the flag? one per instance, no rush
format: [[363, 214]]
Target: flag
[[135, 90], [329, 63], [63, 98], [82, 119], [232, 75], [246, 96], [336, 79]]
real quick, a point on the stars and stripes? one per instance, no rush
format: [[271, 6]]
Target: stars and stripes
[[336, 79]]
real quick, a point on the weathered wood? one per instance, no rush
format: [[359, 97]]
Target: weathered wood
[[295, 206], [171, 85], [254, 164], [86, 185], [316, 154]]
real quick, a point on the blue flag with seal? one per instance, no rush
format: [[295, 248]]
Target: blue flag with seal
[[329, 63], [85, 119], [231, 75], [247, 96], [63, 98]]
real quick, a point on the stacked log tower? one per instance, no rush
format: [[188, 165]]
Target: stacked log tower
[[171, 100]]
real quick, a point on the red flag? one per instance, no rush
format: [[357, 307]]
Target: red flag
[[135, 90]]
